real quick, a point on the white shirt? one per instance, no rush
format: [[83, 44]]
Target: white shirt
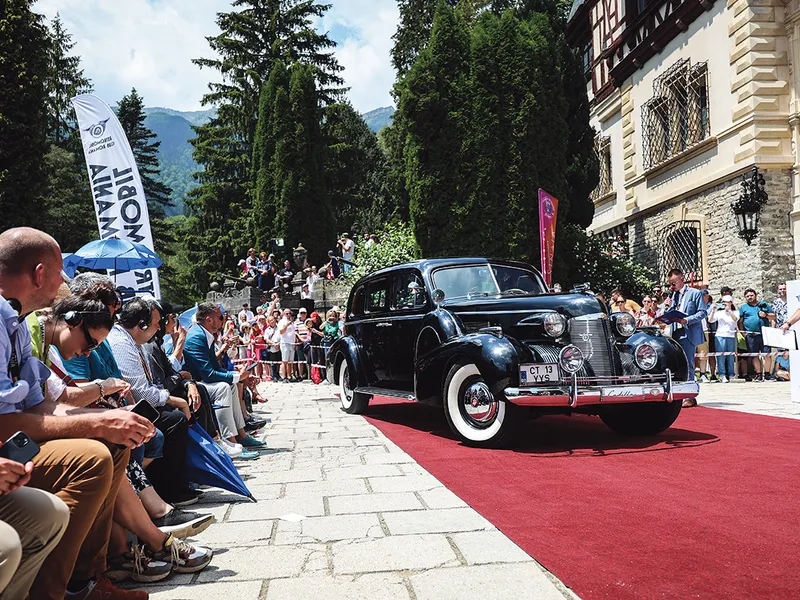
[[211, 344], [248, 314], [726, 323], [369, 243], [288, 336], [310, 283], [55, 385], [132, 366], [348, 249]]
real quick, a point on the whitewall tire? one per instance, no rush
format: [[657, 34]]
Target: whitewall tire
[[352, 402], [473, 413]]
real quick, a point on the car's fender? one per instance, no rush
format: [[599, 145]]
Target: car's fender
[[670, 354], [346, 348], [495, 356]]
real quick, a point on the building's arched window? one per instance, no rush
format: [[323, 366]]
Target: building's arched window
[[682, 248]]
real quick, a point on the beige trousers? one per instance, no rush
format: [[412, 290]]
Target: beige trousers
[[229, 415], [31, 525]]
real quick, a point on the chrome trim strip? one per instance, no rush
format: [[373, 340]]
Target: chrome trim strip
[[573, 397], [385, 318], [377, 391]]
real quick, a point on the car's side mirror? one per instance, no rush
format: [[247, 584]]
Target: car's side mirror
[[437, 296]]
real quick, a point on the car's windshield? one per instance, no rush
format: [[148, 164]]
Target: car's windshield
[[476, 280]]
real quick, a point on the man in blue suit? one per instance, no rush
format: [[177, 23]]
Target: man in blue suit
[[201, 361], [687, 332]]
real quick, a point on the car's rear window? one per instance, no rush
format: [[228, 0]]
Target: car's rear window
[[376, 295]]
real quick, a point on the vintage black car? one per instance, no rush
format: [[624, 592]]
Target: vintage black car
[[486, 340]]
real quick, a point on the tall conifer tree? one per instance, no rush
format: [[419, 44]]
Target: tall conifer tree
[[23, 117]]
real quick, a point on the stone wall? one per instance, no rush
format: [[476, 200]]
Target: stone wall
[[728, 260]]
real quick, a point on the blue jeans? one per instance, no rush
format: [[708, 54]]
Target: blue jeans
[[152, 449], [725, 363]]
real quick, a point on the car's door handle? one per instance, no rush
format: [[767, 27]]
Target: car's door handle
[[383, 325]]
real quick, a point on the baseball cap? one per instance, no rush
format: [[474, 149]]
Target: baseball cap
[[727, 298], [302, 310]]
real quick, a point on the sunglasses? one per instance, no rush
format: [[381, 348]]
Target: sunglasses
[[91, 343]]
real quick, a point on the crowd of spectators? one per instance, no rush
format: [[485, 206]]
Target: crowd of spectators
[[731, 345], [77, 362], [272, 276], [289, 346]]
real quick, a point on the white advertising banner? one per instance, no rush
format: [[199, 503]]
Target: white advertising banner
[[119, 200], [792, 304]]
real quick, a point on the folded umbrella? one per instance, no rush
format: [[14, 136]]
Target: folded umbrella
[[207, 464]]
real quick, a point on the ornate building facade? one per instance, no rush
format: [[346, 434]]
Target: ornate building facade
[[688, 96]]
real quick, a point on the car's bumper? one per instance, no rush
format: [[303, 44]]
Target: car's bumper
[[574, 395]]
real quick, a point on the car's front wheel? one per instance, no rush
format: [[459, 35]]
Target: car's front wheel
[[644, 418], [353, 402], [473, 413]]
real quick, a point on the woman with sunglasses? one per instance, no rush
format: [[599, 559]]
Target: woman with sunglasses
[[74, 327], [646, 316]]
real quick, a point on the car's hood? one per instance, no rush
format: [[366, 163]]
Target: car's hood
[[569, 305]]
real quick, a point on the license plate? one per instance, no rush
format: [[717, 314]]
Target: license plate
[[538, 373]]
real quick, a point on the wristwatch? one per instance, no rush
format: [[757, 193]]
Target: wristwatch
[[99, 383]]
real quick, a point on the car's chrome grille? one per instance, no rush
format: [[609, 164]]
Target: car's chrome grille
[[592, 337], [546, 354]]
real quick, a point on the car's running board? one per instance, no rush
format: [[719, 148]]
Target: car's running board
[[377, 391]]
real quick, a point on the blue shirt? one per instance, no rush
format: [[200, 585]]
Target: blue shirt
[[28, 390], [782, 362], [752, 322], [100, 364]]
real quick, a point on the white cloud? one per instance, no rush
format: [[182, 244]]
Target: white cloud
[[149, 45], [365, 51]]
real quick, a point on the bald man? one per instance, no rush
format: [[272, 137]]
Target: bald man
[[80, 473]]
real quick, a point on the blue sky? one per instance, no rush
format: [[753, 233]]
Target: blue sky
[[149, 44]]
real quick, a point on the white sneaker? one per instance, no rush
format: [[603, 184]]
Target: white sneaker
[[230, 449], [704, 379], [725, 380]]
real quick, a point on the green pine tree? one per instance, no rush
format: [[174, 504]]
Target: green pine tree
[[65, 80], [355, 172], [253, 37], [301, 189], [433, 105], [23, 116]]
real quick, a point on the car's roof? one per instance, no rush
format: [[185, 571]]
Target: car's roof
[[428, 264]]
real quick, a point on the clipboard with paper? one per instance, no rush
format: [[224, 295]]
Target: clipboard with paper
[[671, 316], [777, 338]]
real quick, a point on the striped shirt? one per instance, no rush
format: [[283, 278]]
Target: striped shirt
[[132, 365]]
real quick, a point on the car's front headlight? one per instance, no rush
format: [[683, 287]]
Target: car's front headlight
[[646, 357], [625, 324], [555, 324], [570, 359]]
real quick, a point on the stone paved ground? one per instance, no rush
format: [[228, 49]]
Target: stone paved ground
[[766, 398], [343, 513]]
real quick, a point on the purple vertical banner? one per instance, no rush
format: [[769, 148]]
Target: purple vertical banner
[[548, 209]]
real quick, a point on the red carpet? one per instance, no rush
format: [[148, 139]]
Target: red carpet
[[708, 509]]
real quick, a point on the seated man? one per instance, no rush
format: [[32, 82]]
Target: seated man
[[782, 367], [85, 474], [138, 322], [201, 361], [31, 524]]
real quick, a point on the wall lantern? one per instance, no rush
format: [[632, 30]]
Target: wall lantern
[[747, 208]]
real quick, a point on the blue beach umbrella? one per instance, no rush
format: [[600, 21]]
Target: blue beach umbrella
[[71, 263], [116, 254], [207, 464]]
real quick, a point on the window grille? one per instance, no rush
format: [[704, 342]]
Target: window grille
[[587, 57], [681, 247], [604, 185], [676, 117]]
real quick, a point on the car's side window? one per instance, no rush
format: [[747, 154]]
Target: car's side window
[[408, 292], [377, 291], [358, 303]]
